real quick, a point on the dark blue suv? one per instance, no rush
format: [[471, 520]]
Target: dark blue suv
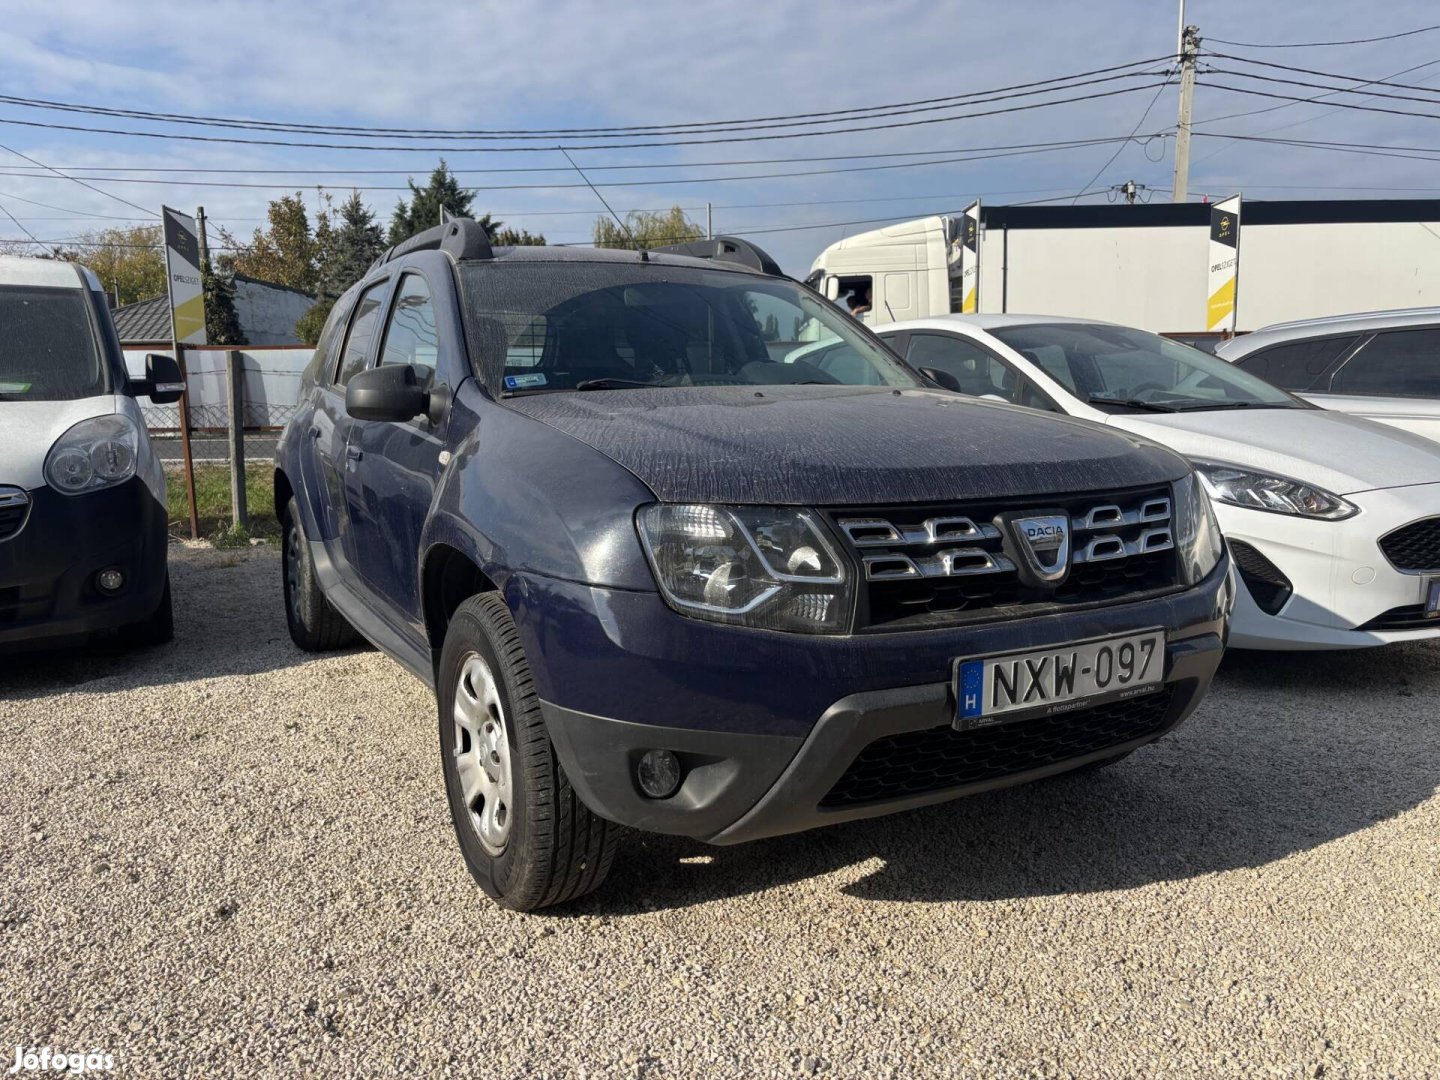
[[681, 547]]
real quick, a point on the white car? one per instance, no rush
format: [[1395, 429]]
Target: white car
[[82, 497], [1384, 365], [1333, 520]]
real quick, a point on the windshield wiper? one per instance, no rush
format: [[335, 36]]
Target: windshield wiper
[[1133, 403], [1204, 405], [614, 384]]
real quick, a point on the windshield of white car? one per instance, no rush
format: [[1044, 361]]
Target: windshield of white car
[[1122, 369], [570, 326], [47, 346]]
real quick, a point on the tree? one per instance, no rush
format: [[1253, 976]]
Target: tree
[[222, 325], [647, 229], [422, 210], [129, 261], [517, 238], [348, 247], [286, 252]]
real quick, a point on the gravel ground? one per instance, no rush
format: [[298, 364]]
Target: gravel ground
[[224, 857]]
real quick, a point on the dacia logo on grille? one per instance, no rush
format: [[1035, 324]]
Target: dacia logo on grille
[[1040, 546]]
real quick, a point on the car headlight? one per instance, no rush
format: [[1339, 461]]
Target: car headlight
[[1197, 533], [96, 453], [762, 566], [1276, 494]]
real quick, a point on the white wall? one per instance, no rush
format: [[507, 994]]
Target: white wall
[[1156, 278], [272, 385]]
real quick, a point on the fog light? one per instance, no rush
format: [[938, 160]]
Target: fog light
[[111, 581], [658, 773]]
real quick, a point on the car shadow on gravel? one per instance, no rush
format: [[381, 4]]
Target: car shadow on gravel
[[228, 621], [1289, 752]]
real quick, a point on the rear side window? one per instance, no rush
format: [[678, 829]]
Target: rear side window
[[1296, 365], [979, 373], [1396, 363], [47, 346], [361, 334]]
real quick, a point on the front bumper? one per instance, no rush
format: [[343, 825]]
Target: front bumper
[[48, 568], [767, 725], [1343, 586]]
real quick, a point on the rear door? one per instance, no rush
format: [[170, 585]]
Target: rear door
[[1394, 377], [395, 466]]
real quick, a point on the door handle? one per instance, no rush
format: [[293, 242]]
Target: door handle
[[354, 453]]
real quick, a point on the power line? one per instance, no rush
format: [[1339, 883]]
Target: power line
[[1408, 153], [1120, 149], [1316, 97], [1324, 74], [98, 191], [829, 116], [23, 229], [593, 146], [1319, 86], [1337, 104], [1323, 44]]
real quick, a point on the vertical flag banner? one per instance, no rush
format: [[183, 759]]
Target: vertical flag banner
[[182, 274], [1224, 265], [970, 259]]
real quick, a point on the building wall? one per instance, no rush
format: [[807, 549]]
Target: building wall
[[267, 314]]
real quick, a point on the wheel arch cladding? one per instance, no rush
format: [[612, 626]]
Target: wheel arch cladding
[[448, 578]]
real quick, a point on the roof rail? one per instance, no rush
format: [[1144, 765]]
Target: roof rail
[[460, 238], [729, 249], [1354, 316]]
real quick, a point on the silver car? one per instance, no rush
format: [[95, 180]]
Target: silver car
[[1384, 365]]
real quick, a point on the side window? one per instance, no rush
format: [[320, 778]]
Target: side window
[[979, 373], [1398, 363], [361, 333], [322, 363], [1297, 364], [855, 293], [410, 335]]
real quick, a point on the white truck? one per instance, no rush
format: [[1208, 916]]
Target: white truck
[[1145, 265]]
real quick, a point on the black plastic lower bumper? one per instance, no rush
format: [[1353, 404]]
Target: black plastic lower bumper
[[48, 570], [742, 786]]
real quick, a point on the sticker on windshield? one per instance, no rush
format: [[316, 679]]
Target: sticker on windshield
[[14, 387], [524, 382]]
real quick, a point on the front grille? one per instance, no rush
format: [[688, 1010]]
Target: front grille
[[1415, 546], [14, 507], [1266, 582], [944, 565], [920, 762], [1409, 617]]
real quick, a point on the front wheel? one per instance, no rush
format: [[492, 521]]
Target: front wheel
[[527, 839]]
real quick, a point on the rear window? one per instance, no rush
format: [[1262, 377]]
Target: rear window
[[47, 346], [1395, 363], [1296, 365]]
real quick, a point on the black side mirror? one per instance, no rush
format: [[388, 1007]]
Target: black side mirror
[[942, 379], [162, 383], [393, 392]]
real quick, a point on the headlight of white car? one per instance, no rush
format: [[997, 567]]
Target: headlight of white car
[[96, 453], [1197, 533], [768, 567], [1275, 494]]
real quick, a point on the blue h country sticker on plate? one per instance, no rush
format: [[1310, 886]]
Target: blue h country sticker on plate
[[972, 688], [524, 382]]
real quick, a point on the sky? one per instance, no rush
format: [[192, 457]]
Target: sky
[[561, 64]]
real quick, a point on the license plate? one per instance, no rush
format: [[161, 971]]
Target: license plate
[[1039, 682], [1432, 597]]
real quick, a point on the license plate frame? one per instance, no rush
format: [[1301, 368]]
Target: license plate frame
[[1431, 599], [1151, 680]]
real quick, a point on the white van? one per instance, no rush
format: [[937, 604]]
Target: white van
[[83, 510]]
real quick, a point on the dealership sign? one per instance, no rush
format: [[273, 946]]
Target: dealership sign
[[182, 274], [1224, 265], [970, 259]]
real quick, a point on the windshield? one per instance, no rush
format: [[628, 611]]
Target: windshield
[[571, 325], [1119, 367], [47, 349]]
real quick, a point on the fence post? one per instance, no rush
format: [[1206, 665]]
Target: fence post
[[185, 441], [235, 395]]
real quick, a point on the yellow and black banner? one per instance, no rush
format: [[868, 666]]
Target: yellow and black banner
[[182, 273], [1224, 265], [970, 259]]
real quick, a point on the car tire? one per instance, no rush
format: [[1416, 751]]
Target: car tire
[[528, 840], [314, 623], [158, 628]]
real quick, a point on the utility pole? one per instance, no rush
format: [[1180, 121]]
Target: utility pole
[[1189, 45], [709, 223], [200, 230]]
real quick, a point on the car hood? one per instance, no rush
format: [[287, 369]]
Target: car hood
[[1343, 454], [29, 428], [842, 445]]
